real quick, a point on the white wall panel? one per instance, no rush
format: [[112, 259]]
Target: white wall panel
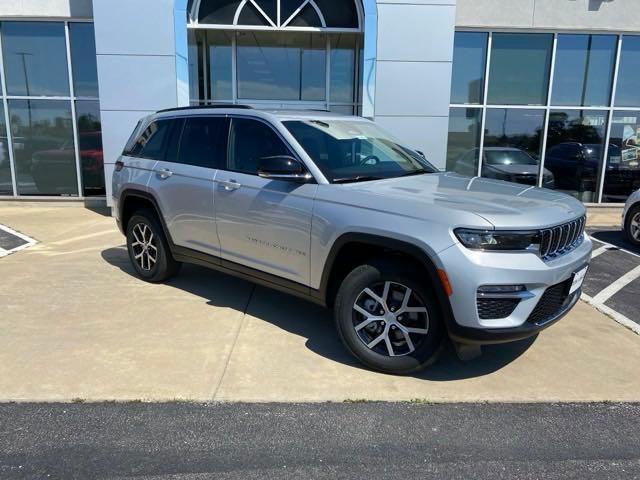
[[137, 82], [415, 32], [421, 133], [413, 88], [46, 8]]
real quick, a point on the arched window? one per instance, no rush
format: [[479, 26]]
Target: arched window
[[337, 15]]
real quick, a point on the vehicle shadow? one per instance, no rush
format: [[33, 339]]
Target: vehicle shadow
[[315, 323], [616, 238]]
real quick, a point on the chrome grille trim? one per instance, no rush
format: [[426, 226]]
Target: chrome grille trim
[[561, 239]]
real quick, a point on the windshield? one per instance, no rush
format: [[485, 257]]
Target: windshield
[[351, 150], [509, 157]]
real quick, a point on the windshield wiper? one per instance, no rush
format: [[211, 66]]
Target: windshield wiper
[[415, 172], [358, 178]]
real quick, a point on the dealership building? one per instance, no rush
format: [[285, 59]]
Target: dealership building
[[540, 92]]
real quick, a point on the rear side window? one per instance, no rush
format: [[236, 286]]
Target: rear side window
[[251, 140], [151, 143], [204, 142]]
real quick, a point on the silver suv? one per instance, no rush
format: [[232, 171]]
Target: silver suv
[[335, 210]]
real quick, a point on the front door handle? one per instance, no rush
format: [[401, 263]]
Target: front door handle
[[230, 185], [164, 173]]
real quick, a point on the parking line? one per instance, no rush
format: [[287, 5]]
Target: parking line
[[611, 246], [616, 286], [599, 251], [30, 241], [618, 317]]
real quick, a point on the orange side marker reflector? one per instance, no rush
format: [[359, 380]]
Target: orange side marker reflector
[[445, 282]]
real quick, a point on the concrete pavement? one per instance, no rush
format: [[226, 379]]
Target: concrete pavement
[[76, 324]]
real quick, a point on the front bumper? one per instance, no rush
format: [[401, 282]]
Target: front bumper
[[468, 270]]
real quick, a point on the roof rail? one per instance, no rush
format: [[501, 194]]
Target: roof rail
[[210, 106]]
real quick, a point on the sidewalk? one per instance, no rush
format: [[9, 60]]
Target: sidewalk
[[76, 324]]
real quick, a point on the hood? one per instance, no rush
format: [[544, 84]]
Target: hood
[[436, 196]]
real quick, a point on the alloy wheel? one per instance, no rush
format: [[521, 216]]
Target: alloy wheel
[[145, 249], [390, 319], [634, 227]]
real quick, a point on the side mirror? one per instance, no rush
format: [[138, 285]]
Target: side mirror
[[282, 167]]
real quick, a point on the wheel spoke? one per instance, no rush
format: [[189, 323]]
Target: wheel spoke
[[407, 337], [361, 310], [405, 300], [421, 331], [135, 234], [373, 295], [151, 258], [385, 293], [363, 324], [378, 339], [415, 310], [387, 340]]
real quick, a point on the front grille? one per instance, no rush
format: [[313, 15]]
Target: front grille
[[551, 303], [561, 239], [495, 308]]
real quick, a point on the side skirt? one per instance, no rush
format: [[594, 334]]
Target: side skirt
[[186, 255]]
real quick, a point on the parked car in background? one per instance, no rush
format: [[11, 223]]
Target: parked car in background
[[504, 163], [335, 210], [631, 218]]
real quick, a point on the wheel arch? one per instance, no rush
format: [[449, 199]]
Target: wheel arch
[[354, 247], [133, 199]]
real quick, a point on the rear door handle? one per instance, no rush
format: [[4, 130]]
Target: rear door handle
[[164, 173], [230, 185]]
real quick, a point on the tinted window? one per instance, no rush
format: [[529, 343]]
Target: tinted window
[[284, 67], [35, 58], [628, 94], [464, 141], [252, 140], [584, 70], [90, 142], [575, 147], [204, 142], [469, 56], [150, 144], [519, 69], [623, 167], [43, 147], [83, 59]]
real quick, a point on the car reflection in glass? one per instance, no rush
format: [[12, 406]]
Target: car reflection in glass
[[54, 170], [505, 163]]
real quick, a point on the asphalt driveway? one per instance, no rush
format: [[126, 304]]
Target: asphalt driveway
[[77, 324]]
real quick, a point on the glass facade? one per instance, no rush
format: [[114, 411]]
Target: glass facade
[[278, 54], [50, 129], [552, 112]]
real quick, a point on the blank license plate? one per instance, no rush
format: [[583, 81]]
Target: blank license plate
[[578, 280]]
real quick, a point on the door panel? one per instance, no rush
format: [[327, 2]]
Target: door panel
[[263, 224], [186, 200], [184, 181]]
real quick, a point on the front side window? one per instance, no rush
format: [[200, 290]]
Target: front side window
[[347, 150], [249, 141], [204, 142]]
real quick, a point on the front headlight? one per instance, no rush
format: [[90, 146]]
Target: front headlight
[[497, 240]]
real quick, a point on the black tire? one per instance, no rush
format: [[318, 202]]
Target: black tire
[[374, 275], [164, 266], [633, 212]]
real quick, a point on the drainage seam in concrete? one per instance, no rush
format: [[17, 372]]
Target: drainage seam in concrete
[[214, 392]]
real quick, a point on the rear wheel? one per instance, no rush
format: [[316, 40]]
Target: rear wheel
[[388, 318], [148, 248], [632, 225]]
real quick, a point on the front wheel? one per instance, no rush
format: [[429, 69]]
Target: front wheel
[[389, 319], [632, 225]]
